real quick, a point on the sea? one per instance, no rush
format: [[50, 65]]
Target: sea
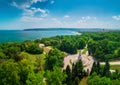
[[21, 35]]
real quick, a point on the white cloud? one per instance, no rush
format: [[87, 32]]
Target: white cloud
[[66, 16], [94, 18], [52, 2], [35, 10], [116, 17], [25, 3], [30, 13], [14, 4], [44, 15], [86, 19], [35, 1], [56, 21], [30, 22], [21, 6], [31, 19], [80, 21], [83, 22]]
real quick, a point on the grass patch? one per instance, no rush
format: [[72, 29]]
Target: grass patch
[[78, 51], [115, 67], [84, 66], [70, 62], [115, 60], [83, 81], [37, 59], [84, 51], [88, 59]]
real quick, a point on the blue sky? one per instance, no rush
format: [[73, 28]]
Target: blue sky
[[21, 14]]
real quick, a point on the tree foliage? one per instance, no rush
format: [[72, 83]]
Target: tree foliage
[[55, 77], [35, 78], [9, 70], [34, 49], [54, 58]]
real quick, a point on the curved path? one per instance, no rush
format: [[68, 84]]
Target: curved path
[[69, 59]]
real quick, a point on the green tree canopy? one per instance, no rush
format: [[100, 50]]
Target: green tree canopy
[[9, 73], [54, 58], [55, 77]]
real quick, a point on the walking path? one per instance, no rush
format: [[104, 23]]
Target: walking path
[[87, 61], [85, 58], [69, 59], [111, 63]]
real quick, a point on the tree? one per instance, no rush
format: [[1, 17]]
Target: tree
[[2, 55], [79, 68], [118, 52], [55, 77], [106, 70], [77, 71], [35, 78], [9, 70], [81, 43], [12, 52], [115, 75], [26, 66], [76, 82], [99, 54], [34, 49], [92, 45], [116, 82], [94, 68], [98, 69], [68, 47], [94, 79], [68, 73], [54, 58]]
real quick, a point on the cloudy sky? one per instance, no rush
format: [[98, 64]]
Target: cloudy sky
[[21, 14]]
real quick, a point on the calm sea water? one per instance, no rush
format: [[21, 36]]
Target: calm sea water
[[19, 35]]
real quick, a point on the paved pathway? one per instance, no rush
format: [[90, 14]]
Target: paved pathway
[[70, 58], [112, 63], [85, 58]]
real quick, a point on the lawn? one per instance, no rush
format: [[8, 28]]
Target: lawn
[[115, 67], [84, 51], [83, 81]]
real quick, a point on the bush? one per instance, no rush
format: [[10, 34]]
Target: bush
[[34, 49], [2, 55]]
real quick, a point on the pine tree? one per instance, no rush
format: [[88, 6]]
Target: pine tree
[[68, 73], [76, 82], [106, 70], [79, 68], [98, 69], [94, 68]]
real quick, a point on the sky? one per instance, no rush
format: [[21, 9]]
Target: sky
[[23, 14]]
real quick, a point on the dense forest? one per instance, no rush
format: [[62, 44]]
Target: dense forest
[[101, 45], [26, 63]]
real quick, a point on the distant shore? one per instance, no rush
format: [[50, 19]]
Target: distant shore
[[73, 29]]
